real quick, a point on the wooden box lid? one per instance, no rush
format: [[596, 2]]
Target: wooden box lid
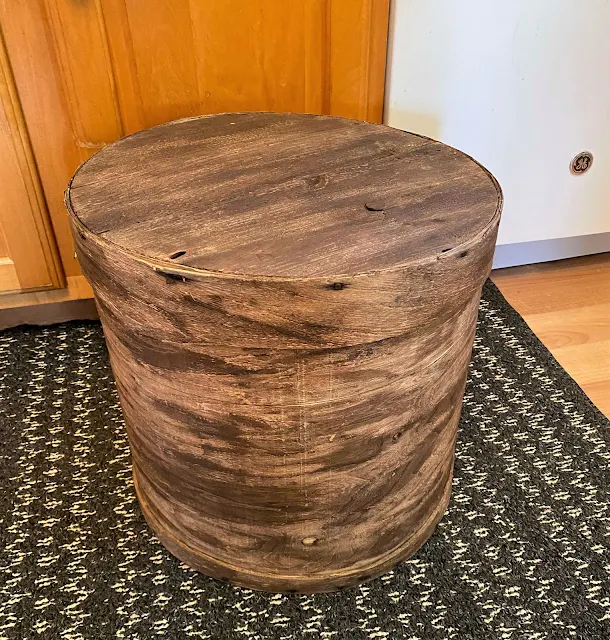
[[283, 195]]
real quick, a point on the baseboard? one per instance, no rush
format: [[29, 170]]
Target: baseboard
[[511, 255], [52, 313], [74, 302]]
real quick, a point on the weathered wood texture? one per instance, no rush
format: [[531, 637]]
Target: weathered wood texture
[[290, 304]]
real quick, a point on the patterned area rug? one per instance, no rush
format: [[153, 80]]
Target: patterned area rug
[[523, 552]]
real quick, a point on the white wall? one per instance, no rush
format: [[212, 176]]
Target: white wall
[[521, 85]]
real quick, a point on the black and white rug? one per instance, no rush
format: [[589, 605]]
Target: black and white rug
[[523, 552]]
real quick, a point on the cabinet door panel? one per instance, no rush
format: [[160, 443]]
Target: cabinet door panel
[[28, 258]]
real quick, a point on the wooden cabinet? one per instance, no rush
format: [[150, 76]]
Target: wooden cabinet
[[28, 256], [82, 74]]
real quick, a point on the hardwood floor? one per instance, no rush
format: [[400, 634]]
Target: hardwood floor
[[567, 305]]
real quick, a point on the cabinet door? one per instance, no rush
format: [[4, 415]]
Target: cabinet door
[[28, 257], [91, 71]]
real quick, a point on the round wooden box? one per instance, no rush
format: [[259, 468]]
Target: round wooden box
[[290, 304]]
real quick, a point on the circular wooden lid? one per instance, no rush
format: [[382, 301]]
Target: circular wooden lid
[[284, 195]]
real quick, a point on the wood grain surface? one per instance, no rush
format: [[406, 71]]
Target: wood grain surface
[[292, 417], [283, 195]]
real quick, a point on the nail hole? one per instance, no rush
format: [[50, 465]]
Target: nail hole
[[317, 181], [177, 254], [337, 286], [396, 436], [310, 541]]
